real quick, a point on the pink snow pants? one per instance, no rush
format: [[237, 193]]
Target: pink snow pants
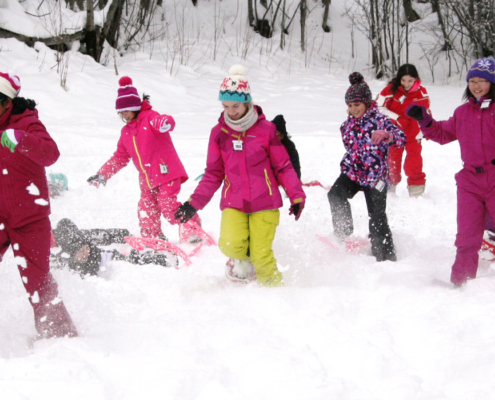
[[157, 201], [31, 246], [475, 197]]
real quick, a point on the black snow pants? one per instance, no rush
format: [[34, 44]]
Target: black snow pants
[[382, 244]]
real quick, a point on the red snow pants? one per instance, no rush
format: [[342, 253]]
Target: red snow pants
[[413, 163], [31, 246], [157, 201], [475, 197]]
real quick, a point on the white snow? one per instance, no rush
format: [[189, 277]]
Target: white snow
[[33, 189], [344, 326]]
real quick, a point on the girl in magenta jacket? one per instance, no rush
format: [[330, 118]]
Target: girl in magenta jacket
[[146, 140], [245, 155], [473, 125], [26, 149]]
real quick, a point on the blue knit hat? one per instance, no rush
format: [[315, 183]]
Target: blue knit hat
[[235, 87], [483, 68]]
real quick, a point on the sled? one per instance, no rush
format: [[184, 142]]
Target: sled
[[488, 244], [139, 243], [354, 245], [193, 227], [316, 183]]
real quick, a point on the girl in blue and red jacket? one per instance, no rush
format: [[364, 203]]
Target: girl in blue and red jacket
[[367, 135], [26, 149]]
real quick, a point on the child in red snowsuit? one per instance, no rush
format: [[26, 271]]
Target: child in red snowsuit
[[401, 92], [146, 139], [26, 149]]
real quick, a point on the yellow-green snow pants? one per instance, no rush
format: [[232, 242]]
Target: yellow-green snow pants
[[250, 237]]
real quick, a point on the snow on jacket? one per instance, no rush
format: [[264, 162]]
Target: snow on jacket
[[473, 127], [394, 105], [365, 162], [23, 186], [152, 151], [250, 176]]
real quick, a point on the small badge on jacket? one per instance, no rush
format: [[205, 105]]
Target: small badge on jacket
[[237, 145], [163, 169]]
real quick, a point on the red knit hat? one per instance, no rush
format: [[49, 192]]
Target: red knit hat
[[128, 98], [10, 85]]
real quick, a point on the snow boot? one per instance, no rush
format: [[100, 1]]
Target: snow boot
[[50, 315], [240, 271], [416, 190]]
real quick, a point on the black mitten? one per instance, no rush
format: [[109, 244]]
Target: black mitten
[[185, 212]]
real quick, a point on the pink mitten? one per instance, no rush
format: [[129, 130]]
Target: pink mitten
[[379, 136]]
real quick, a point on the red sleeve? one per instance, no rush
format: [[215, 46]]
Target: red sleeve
[[37, 145]]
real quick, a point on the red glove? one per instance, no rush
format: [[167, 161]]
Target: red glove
[[381, 136]]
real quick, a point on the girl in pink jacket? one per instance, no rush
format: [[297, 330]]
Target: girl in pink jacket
[[146, 139], [473, 126], [245, 155]]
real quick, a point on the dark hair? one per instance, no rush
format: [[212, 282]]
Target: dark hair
[[467, 93], [146, 97], [19, 104], [404, 69]]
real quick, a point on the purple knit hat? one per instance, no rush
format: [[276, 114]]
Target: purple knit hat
[[483, 68], [359, 91], [128, 98]]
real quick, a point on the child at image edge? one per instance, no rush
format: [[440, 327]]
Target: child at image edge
[[473, 125], [26, 149], [367, 135], [245, 154], [146, 139]]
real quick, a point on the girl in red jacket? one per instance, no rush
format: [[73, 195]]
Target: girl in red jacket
[[26, 149], [146, 139], [402, 91]]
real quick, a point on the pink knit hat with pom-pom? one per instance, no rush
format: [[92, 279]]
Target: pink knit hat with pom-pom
[[128, 98]]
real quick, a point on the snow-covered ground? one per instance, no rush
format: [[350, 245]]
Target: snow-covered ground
[[343, 327]]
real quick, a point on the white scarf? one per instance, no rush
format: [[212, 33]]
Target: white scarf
[[243, 124]]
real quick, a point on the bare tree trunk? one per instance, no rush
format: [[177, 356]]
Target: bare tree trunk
[[436, 8], [303, 9], [80, 4], [91, 36], [411, 15], [326, 11], [71, 4], [282, 30], [111, 27]]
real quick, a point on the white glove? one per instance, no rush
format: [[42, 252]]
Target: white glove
[[161, 123]]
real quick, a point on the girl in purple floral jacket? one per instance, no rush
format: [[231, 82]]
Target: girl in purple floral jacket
[[367, 135]]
